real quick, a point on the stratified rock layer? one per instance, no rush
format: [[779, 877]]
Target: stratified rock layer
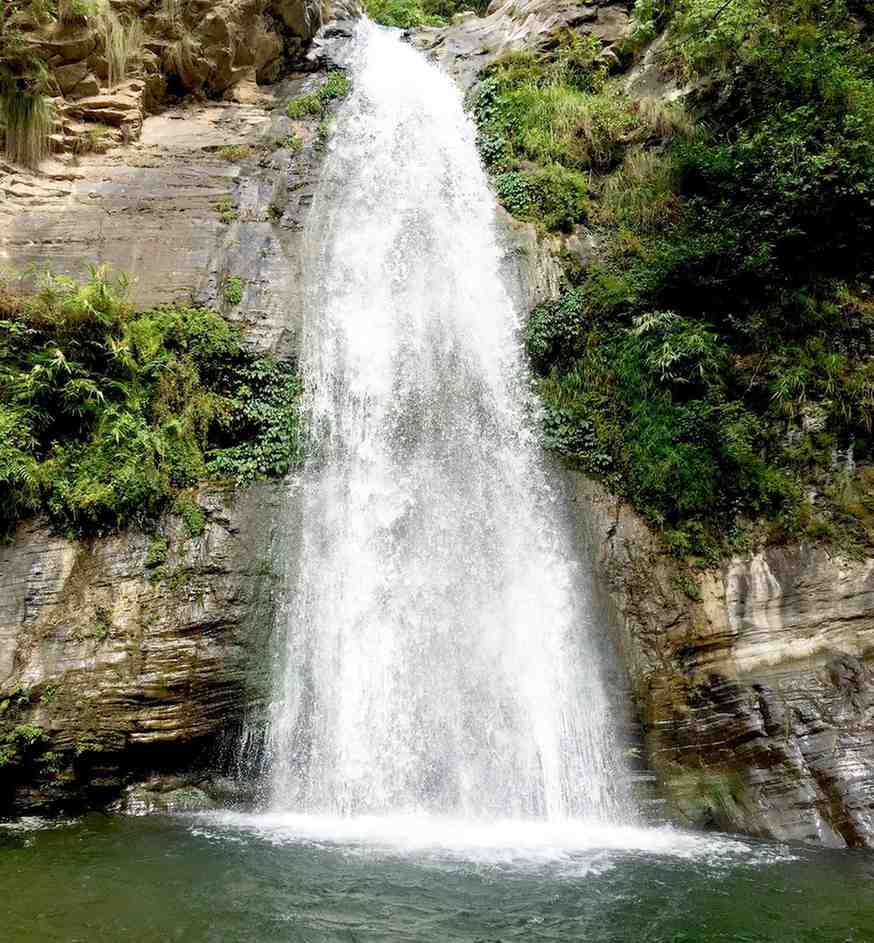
[[211, 191], [133, 652], [119, 658], [754, 681]]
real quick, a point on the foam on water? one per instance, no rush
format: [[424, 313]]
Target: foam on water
[[572, 847]]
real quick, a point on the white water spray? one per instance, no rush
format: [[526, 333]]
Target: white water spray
[[438, 653]]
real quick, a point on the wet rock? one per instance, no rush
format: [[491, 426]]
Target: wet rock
[[302, 17], [122, 655], [754, 681], [152, 799]]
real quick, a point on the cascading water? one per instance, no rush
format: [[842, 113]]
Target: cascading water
[[438, 653]]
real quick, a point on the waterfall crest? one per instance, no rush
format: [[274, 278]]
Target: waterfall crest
[[439, 654]]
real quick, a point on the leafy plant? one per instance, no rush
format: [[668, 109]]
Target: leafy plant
[[404, 14], [336, 86], [107, 415], [228, 210], [714, 365], [192, 515], [234, 153], [232, 291]]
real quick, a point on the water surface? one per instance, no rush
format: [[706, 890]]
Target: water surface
[[229, 878]]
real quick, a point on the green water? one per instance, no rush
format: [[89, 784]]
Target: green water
[[235, 878]]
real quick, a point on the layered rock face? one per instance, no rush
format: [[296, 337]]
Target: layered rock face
[[107, 70], [754, 682], [137, 653], [131, 653], [472, 43], [210, 191]]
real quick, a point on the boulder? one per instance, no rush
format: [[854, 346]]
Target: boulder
[[471, 43], [65, 45], [151, 799], [87, 87], [303, 17], [69, 76]]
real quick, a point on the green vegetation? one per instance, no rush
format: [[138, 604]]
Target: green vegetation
[[191, 514], [228, 210], [157, 552], [715, 363], [234, 153], [19, 743], [107, 415], [294, 143], [25, 111], [317, 102], [548, 121], [409, 14], [102, 624], [232, 291]]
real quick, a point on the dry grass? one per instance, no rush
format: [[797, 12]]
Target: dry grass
[[123, 42], [28, 123], [641, 192]]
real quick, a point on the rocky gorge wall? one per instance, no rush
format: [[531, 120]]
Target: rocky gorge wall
[[140, 653], [132, 654], [752, 680]]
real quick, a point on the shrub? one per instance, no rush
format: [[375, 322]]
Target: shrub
[[336, 86], [552, 195], [641, 194], [191, 514], [234, 153], [27, 121], [404, 14], [715, 363], [108, 413], [232, 292]]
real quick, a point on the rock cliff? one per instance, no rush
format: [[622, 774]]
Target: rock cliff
[[142, 653], [132, 653], [752, 680]]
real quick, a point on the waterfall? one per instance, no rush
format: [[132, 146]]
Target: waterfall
[[439, 654]]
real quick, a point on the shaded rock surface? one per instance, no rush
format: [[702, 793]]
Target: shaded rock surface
[[162, 798], [754, 681], [131, 652]]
